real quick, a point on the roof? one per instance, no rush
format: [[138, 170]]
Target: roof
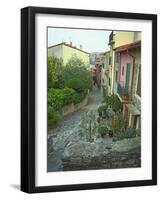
[[68, 45], [128, 46]]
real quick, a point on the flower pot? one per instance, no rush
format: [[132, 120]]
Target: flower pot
[[110, 133], [116, 124]]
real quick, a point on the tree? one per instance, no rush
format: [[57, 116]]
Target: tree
[[76, 76], [55, 69]]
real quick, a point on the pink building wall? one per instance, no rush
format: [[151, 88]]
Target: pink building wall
[[124, 60]]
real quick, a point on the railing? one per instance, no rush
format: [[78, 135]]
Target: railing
[[123, 91]]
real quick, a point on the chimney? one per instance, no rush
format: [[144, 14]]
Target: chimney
[[81, 47], [71, 43]]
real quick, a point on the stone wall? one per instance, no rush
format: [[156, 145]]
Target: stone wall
[[101, 154], [113, 160], [68, 109]]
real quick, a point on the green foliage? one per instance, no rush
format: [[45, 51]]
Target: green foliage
[[55, 69], [66, 85], [57, 98], [87, 127], [121, 120], [102, 110], [138, 132], [113, 102], [129, 133], [53, 116], [103, 130], [78, 97], [76, 76]]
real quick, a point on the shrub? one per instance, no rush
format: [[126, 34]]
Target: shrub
[[78, 97], [102, 110], [57, 98], [113, 102], [129, 133], [55, 69], [53, 116], [103, 130], [121, 120], [105, 111], [76, 76], [138, 132]]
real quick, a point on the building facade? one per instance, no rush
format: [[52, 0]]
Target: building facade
[[124, 77], [128, 81], [67, 51], [105, 81], [111, 62]]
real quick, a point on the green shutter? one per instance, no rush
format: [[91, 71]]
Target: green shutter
[[128, 67]]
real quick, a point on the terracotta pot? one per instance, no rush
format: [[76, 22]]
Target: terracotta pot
[[116, 123]]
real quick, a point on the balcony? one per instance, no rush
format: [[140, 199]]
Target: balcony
[[123, 92]]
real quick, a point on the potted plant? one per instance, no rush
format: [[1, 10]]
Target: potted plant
[[110, 133], [102, 110], [103, 130]]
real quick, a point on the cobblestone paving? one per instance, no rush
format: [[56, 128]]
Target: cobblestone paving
[[61, 135]]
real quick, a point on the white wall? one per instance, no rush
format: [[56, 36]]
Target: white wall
[[10, 100], [56, 51]]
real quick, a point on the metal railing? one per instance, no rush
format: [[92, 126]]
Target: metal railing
[[123, 91]]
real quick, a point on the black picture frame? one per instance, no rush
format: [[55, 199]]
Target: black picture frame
[[28, 98]]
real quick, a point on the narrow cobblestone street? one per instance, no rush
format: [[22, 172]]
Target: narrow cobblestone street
[[70, 150], [61, 135]]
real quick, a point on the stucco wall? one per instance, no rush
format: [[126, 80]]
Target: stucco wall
[[124, 60], [56, 51], [123, 37], [69, 52], [65, 52], [106, 60]]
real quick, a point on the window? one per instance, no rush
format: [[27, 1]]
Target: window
[[138, 89]]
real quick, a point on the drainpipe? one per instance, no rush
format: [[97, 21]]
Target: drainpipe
[[133, 57]]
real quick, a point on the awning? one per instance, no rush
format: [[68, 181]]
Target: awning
[[133, 110]]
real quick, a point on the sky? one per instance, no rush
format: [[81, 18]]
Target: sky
[[91, 40]]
